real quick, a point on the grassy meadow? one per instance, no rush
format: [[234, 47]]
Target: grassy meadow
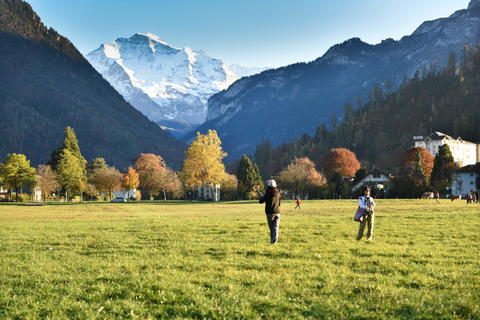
[[189, 260]]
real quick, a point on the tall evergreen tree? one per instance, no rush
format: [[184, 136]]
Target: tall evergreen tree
[[71, 144], [70, 173], [443, 168], [246, 174], [420, 180], [258, 179]]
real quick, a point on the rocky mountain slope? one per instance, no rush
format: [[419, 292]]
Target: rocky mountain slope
[[278, 105]]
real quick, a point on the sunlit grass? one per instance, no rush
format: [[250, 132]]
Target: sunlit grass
[[213, 260]]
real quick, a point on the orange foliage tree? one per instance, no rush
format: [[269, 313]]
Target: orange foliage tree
[[130, 180], [150, 168], [344, 160], [410, 158]]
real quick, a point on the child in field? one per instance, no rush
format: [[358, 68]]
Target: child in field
[[298, 203]]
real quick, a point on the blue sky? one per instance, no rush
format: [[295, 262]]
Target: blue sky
[[262, 33]]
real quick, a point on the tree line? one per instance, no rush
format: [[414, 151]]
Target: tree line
[[68, 175]]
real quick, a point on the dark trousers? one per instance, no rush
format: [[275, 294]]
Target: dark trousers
[[274, 225]]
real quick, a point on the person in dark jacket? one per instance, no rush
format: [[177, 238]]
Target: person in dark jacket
[[272, 199]]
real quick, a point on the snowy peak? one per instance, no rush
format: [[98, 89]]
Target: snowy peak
[[162, 81]]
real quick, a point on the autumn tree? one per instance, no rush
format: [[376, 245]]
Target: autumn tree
[[155, 176], [108, 180], [410, 158], [443, 168], [47, 181], [168, 182], [130, 180], [16, 171], [341, 159], [298, 174], [203, 162]]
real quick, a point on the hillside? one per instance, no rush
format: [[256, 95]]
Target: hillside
[[380, 131], [47, 85], [286, 103]]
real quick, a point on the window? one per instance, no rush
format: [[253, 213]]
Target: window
[[376, 175]]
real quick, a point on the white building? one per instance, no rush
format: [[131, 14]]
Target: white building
[[464, 153], [208, 192], [465, 180], [373, 179]]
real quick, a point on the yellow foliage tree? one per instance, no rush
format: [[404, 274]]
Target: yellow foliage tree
[[203, 162]]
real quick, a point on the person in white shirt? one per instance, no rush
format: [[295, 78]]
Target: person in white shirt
[[367, 203]]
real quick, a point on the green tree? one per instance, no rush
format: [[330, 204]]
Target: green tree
[[203, 162], [420, 179], [16, 171], [443, 168], [413, 181], [258, 178], [247, 175], [70, 173], [71, 145], [95, 166]]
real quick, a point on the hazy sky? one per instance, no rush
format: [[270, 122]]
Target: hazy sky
[[262, 33]]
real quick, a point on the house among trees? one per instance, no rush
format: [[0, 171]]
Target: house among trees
[[208, 192], [464, 152], [464, 179], [3, 194], [373, 178]]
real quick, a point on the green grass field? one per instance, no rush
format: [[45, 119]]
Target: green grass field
[[189, 260]]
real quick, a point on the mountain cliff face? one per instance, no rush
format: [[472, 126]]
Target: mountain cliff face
[[48, 85], [163, 82], [281, 104]]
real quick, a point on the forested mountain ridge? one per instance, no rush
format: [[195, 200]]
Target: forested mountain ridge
[[380, 131], [47, 85], [287, 102]]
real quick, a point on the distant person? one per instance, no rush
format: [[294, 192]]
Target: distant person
[[469, 198], [437, 197], [298, 204], [272, 199], [366, 203]]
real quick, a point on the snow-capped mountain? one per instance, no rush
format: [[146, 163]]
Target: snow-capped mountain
[[283, 103], [244, 71], [163, 82]]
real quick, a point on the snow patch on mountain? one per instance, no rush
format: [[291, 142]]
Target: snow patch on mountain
[[244, 71], [161, 81]]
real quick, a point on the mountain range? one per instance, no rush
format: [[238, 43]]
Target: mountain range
[[48, 85], [284, 103], [169, 85]]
